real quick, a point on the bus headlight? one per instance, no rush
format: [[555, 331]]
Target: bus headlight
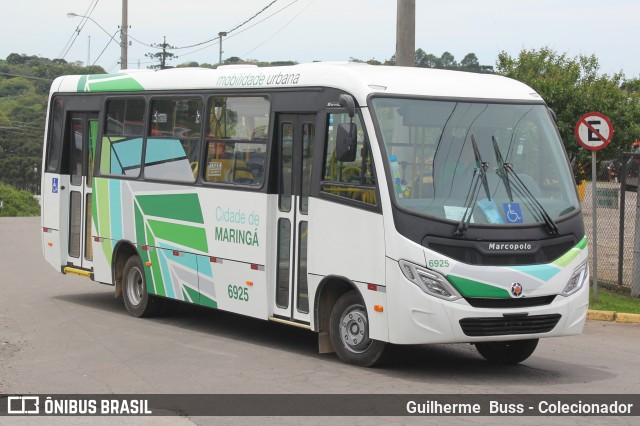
[[429, 281], [578, 277]]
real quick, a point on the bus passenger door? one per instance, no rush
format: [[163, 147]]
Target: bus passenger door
[[82, 131], [294, 146]]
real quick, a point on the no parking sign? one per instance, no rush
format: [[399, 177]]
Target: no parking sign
[[594, 131]]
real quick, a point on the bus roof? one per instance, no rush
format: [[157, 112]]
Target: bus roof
[[356, 78]]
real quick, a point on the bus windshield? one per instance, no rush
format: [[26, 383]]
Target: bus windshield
[[498, 163]]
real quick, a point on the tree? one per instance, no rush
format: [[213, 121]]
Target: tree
[[24, 89], [162, 56], [17, 203], [470, 63], [573, 87], [448, 61]]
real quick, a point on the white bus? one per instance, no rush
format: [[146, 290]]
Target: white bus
[[369, 204]]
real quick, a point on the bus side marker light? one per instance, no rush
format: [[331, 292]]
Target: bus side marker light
[[50, 244], [249, 283], [257, 267], [148, 263], [378, 308]]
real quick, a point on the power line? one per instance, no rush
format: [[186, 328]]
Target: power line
[[282, 28], [105, 47], [217, 41], [26, 76], [240, 25], [231, 30], [79, 28]]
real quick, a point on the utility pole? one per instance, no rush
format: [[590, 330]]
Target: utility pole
[[221, 34], [163, 61], [88, 51], [406, 33], [123, 36]]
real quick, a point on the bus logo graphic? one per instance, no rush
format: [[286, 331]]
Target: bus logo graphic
[[54, 185], [516, 289], [23, 405]]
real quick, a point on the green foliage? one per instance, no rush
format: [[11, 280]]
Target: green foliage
[[17, 203], [573, 87], [24, 88], [447, 61]]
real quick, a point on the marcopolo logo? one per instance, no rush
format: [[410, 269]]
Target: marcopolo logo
[[510, 247]]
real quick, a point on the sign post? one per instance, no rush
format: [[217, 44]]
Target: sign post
[[594, 131]]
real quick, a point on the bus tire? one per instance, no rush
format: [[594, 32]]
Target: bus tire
[[349, 332], [510, 352], [134, 290]]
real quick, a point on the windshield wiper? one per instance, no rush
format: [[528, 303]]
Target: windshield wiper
[[482, 165], [521, 188], [502, 173], [479, 175]]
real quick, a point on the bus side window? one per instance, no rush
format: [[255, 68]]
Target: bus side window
[[174, 140], [354, 180], [55, 136], [121, 147], [236, 140]]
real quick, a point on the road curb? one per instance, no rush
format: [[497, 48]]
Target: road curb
[[612, 316]]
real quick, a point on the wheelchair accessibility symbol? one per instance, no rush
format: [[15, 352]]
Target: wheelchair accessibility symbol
[[512, 212]]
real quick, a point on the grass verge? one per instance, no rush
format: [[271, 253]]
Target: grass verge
[[612, 301]]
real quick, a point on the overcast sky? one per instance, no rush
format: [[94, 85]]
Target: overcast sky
[[308, 30]]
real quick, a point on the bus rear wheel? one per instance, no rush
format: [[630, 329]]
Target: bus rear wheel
[[510, 352], [349, 332], [134, 290]]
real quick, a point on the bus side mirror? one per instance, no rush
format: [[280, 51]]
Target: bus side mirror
[[347, 142]]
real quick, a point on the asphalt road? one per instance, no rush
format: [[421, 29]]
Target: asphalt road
[[67, 334]]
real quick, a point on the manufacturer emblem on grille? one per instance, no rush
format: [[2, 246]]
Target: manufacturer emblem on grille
[[516, 290]]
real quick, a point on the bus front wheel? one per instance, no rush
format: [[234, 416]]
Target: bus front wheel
[[349, 332], [510, 352], [134, 290]]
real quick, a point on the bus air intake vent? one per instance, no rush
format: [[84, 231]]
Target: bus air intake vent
[[523, 302], [475, 252], [504, 326]]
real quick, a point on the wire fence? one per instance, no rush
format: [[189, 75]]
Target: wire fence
[[615, 262]]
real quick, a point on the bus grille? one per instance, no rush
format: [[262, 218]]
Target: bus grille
[[502, 326], [470, 255], [523, 302]]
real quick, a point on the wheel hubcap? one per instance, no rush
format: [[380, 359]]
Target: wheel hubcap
[[354, 329], [134, 286]]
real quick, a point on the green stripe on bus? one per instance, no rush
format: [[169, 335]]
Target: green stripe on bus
[[193, 295], [583, 243], [205, 301], [188, 236], [139, 224], [103, 224], [185, 207], [569, 256], [158, 281], [108, 83], [471, 288]]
